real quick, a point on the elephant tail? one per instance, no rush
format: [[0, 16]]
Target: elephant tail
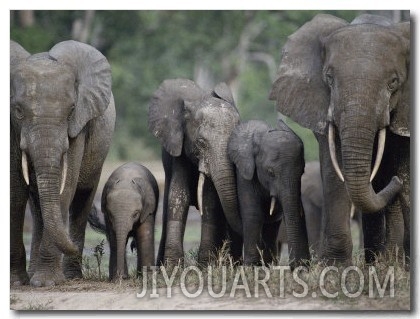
[[96, 222]]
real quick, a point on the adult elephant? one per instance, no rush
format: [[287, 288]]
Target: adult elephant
[[269, 165], [354, 80], [62, 118], [193, 127]]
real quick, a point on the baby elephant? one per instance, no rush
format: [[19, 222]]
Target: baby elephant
[[129, 203], [269, 164]]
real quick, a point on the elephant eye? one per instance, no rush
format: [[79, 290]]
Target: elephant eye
[[136, 214], [329, 79], [201, 143], [18, 112], [393, 84], [271, 173], [71, 112]]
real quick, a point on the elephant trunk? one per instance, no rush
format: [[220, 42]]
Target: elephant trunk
[[357, 145], [121, 236], [223, 176], [49, 171]]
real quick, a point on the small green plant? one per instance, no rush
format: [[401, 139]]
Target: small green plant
[[98, 252]]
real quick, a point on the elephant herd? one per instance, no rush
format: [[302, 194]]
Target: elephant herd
[[347, 82]]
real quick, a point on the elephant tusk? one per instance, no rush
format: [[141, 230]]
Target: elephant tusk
[[63, 173], [379, 153], [200, 187], [25, 170], [352, 211], [273, 205], [331, 143]]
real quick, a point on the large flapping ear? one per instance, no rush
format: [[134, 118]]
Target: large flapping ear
[[166, 112], [400, 120], [17, 54], [243, 145], [299, 90], [222, 91], [93, 79]]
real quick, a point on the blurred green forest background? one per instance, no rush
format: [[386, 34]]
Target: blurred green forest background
[[241, 48]]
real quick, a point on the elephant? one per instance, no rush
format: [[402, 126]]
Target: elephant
[[269, 165], [193, 127], [62, 118], [312, 202], [354, 79], [129, 203]]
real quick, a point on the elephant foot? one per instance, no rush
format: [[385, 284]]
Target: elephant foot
[[72, 267], [19, 278], [47, 278]]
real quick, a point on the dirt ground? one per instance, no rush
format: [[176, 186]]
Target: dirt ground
[[88, 295]]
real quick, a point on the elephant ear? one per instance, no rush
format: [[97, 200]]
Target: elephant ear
[[93, 79], [166, 112], [148, 203], [222, 91], [240, 150], [400, 120], [299, 90], [17, 53]]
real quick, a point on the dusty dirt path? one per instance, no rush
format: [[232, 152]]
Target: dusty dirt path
[[80, 295]]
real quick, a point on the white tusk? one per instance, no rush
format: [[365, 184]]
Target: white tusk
[[200, 187], [25, 170], [273, 204], [63, 173], [352, 210], [379, 153], [331, 143]]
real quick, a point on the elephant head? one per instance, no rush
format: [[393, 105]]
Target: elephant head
[[53, 96], [353, 78], [256, 148], [191, 122]]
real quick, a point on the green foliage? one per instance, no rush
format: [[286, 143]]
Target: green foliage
[[146, 47]]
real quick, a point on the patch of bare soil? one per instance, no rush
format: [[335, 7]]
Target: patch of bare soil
[[93, 295]]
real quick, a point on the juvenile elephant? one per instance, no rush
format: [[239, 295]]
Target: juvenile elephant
[[129, 203], [269, 165], [62, 118], [354, 79], [193, 127]]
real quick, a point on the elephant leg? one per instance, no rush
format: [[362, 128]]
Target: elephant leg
[[213, 225], [313, 221], [336, 242], [145, 239], [394, 229], [167, 166], [18, 199], [236, 244], [252, 219], [179, 199], [46, 263], [112, 240], [37, 229], [269, 234], [80, 209]]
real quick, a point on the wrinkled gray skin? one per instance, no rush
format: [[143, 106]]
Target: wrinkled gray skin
[[312, 202], [193, 127], [129, 202], [356, 78], [62, 117], [269, 165]]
